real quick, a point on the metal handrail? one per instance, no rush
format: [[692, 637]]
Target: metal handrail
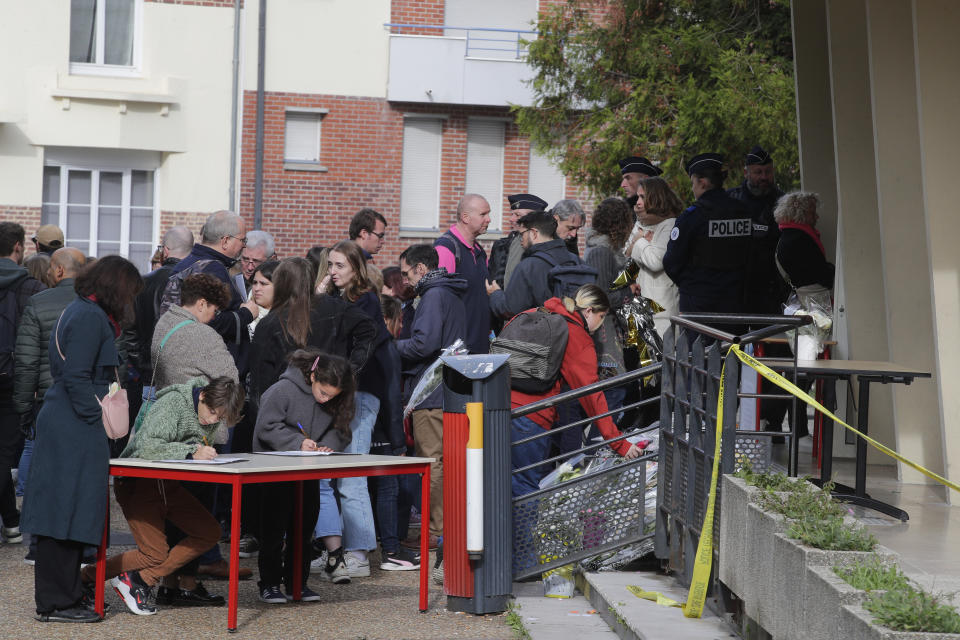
[[516, 42], [575, 394], [445, 26]]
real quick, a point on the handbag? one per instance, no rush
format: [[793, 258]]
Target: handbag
[[115, 408], [148, 402]]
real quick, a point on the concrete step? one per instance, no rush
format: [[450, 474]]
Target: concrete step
[[633, 618], [555, 618]]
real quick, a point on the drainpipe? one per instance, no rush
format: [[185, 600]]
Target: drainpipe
[[234, 108], [258, 177]]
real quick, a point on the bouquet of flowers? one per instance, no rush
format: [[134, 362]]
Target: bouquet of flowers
[[432, 377]]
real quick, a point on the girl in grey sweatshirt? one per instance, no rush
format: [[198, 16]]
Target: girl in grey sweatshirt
[[308, 409]]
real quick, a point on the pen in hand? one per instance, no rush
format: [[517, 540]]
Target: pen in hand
[[306, 439]]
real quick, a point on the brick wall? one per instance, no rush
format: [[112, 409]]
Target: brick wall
[[429, 12], [28, 217], [193, 220], [361, 147]]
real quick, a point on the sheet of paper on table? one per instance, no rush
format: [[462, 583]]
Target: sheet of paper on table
[[296, 453], [217, 460]]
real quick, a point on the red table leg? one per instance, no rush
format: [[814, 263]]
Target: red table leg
[[297, 542], [234, 586], [102, 561], [424, 536]]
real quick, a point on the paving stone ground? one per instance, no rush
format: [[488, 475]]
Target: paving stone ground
[[383, 606]]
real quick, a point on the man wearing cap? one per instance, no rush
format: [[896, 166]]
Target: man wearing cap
[[759, 193], [48, 239], [506, 253], [710, 242], [765, 290], [634, 169]]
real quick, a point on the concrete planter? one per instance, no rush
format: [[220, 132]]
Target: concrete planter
[[763, 526], [735, 548], [856, 623], [825, 593], [789, 611]]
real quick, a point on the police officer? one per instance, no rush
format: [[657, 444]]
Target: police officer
[[764, 289], [709, 245], [505, 254], [634, 169]]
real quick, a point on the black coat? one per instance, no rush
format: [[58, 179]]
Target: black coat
[[138, 337], [440, 319], [529, 286], [336, 327], [802, 259], [67, 499]]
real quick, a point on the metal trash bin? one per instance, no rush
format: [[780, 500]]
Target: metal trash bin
[[476, 418]]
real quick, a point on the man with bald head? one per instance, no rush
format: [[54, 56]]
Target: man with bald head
[[459, 252], [32, 362]]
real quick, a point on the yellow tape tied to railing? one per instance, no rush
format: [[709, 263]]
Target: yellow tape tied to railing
[[703, 562]]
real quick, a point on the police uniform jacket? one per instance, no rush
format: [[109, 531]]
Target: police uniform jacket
[[764, 291], [707, 253]]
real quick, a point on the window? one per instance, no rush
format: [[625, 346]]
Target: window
[[545, 179], [420, 181], [103, 211], [485, 139], [104, 36], [301, 139]]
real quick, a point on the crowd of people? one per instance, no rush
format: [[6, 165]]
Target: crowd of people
[[226, 347]]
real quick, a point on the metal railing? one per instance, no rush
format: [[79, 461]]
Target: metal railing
[[695, 352], [481, 41], [592, 514]]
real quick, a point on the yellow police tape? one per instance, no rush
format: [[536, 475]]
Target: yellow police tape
[[703, 562]]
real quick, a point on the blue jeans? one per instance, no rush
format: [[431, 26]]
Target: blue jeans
[[387, 492], [522, 455], [24, 467], [328, 521], [359, 533], [525, 518]]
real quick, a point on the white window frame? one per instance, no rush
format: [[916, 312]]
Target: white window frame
[[436, 210], [305, 165], [115, 70], [126, 186], [496, 206], [534, 189]]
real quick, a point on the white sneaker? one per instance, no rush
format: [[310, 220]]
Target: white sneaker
[[336, 572], [317, 564], [356, 567]]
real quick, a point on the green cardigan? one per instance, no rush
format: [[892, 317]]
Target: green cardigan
[[171, 430]]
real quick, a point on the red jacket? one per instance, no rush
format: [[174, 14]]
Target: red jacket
[[578, 369]]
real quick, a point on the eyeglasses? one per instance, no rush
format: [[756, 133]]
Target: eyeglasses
[[254, 261], [243, 239], [160, 247], [380, 236]]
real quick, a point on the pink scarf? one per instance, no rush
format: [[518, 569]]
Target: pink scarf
[[807, 229]]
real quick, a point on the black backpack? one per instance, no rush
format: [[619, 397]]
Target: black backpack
[[9, 321], [171, 292], [564, 279], [535, 341]]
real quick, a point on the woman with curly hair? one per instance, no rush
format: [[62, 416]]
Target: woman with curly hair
[[656, 210]]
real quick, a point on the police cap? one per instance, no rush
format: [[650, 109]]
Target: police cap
[[639, 164]]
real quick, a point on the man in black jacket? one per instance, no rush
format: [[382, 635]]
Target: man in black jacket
[[39, 318], [530, 285], [16, 287], [506, 253], [439, 320]]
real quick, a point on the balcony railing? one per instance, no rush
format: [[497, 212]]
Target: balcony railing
[[482, 42]]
